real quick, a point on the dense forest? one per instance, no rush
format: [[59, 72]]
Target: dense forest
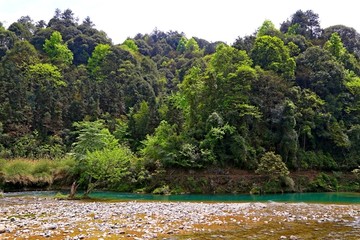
[[277, 101]]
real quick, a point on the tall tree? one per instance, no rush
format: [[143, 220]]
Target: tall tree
[[306, 23], [57, 50], [270, 53]]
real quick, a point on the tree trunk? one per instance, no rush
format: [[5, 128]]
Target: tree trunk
[[73, 188]]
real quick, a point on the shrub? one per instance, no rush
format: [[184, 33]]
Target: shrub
[[18, 171], [324, 183]]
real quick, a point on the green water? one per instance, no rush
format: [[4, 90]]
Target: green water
[[347, 198], [353, 198]]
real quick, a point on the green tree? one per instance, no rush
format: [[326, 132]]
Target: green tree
[[192, 46], [289, 139], [272, 166], [92, 136], [139, 122], [93, 140], [307, 24], [181, 47], [270, 53], [335, 46], [15, 109], [45, 82], [319, 71], [107, 167], [57, 50], [130, 45], [163, 146], [268, 28], [96, 60]]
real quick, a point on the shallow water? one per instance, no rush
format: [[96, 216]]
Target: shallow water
[[30, 216], [334, 197]]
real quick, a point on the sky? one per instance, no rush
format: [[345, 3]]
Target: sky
[[213, 20]]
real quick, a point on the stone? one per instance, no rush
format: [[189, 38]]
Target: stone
[[2, 228], [50, 226]]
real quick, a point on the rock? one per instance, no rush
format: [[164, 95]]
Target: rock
[[283, 237], [47, 234], [50, 226], [292, 237], [2, 228]]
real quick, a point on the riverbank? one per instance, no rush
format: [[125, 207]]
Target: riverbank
[[44, 218]]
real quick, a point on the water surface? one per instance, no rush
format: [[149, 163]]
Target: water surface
[[337, 197]]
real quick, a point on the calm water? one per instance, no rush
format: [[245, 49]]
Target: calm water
[[349, 198]]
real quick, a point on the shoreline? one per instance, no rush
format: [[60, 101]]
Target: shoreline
[[44, 218]]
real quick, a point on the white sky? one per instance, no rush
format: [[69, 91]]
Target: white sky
[[212, 20]]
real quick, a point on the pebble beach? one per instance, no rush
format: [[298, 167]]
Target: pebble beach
[[48, 218]]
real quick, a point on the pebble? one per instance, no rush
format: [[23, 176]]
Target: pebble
[[2, 228], [149, 220]]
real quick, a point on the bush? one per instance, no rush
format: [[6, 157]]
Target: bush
[[317, 160], [18, 171], [324, 183], [40, 172], [163, 190]]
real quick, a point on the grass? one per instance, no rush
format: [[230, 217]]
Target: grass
[[29, 172]]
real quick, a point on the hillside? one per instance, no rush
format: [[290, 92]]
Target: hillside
[[278, 101]]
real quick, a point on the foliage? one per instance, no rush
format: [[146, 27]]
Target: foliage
[[324, 182], [92, 136], [96, 59], [57, 50], [271, 53], [41, 172], [130, 45], [291, 95], [106, 167], [162, 146], [272, 165], [268, 28]]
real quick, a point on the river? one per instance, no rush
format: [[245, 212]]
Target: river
[[328, 197], [37, 215]]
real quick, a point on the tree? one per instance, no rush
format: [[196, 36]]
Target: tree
[[163, 146], [349, 36], [96, 60], [272, 166], [45, 82], [57, 50], [335, 46], [289, 139], [92, 136], [7, 40], [93, 139], [140, 122], [244, 43], [15, 107], [130, 45], [192, 46], [268, 28], [306, 23], [107, 167], [270, 53], [181, 47], [318, 71]]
